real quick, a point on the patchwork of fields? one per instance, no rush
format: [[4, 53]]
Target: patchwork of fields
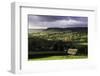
[[53, 43]]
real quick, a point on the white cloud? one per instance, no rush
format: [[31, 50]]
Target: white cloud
[[37, 27], [58, 23], [67, 22]]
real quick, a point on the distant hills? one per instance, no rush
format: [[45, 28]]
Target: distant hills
[[72, 29], [59, 29]]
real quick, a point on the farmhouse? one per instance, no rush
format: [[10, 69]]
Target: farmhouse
[[72, 51]]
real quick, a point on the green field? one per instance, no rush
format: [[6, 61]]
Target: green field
[[51, 44], [60, 57]]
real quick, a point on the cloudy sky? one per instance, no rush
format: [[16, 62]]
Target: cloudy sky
[[44, 21]]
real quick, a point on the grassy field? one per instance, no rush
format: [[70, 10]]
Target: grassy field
[[60, 57], [51, 44]]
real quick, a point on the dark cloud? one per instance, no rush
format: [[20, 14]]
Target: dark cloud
[[48, 18], [57, 21]]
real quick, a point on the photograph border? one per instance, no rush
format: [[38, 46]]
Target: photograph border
[[16, 53]]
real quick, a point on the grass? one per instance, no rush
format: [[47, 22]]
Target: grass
[[60, 57]]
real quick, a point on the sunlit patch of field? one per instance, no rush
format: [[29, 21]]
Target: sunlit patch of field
[[60, 57]]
